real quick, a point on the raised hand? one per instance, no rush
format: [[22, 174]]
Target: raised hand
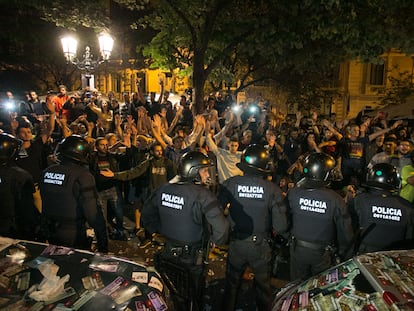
[[107, 173], [325, 123], [50, 105], [129, 119], [156, 122], [397, 124]]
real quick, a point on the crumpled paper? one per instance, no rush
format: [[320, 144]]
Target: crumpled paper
[[51, 286]]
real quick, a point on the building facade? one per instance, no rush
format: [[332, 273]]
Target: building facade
[[360, 84]]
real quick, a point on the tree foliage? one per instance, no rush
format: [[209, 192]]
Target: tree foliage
[[73, 14], [285, 41], [296, 44], [399, 87], [198, 36]]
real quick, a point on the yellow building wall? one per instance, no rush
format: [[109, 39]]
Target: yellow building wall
[[173, 83], [352, 84], [125, 80], [356, 91]]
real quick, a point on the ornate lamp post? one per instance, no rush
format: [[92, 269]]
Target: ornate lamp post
[[87, 63]]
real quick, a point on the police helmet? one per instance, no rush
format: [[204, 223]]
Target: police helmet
[[9, 147], [383, 176], [191, 162], [74, 147], [318, 165], [255, 159]]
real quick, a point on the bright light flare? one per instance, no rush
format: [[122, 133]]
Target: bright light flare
[[106, 44], [69, 47]]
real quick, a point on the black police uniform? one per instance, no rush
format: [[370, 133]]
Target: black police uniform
[[18, 216], [320, 222], [177, 210], [69, 201], [385, 220], [256, 207]]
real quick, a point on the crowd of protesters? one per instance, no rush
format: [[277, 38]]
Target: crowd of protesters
[[131, 128], [141, 140]]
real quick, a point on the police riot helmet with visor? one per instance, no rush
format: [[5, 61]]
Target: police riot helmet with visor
[[318, 166], [255, 159], [9, 147], [74, 147], [383, 176], [190, 164]]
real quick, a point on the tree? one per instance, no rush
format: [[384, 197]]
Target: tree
[[399, 87], [310, 38], [252, 41], [198, 35], [75, 14]]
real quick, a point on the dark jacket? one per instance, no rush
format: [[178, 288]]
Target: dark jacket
[[177, 210], [69, 201]]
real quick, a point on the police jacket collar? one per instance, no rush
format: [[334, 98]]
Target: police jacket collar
[[312, 183], [379, 191], [249, 170]]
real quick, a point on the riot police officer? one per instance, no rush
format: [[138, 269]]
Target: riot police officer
[[180, 210], [69, 198], [256, 207], [320, 220], [18, 216], [385, 219]]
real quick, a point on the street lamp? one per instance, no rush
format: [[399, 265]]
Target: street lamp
[[87, 63]]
